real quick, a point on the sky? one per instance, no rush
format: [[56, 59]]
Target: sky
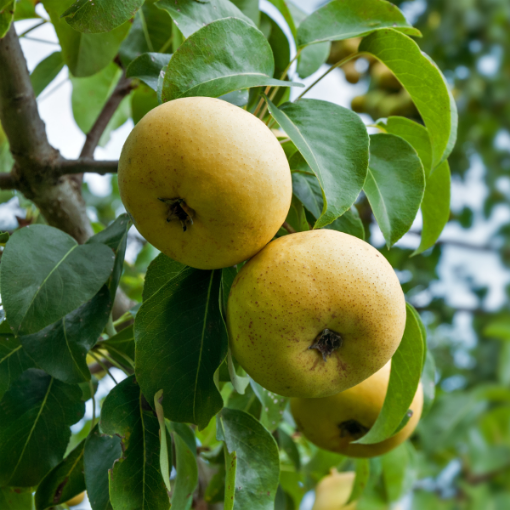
[[457, 263]]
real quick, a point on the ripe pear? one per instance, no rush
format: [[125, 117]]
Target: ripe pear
[[76, 500], [333, 491], [332, 423], [315, 313], [205, 182]]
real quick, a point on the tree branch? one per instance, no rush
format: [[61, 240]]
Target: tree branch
[[83, 165], [122, 89], [18, 107]]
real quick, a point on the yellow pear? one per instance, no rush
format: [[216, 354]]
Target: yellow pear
[[332, 423], [76, 500], [205, 182], [333, 491], [315, 313]]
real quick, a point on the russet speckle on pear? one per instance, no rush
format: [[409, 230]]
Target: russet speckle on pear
[[205, 182], [297, 287], [333, 423]]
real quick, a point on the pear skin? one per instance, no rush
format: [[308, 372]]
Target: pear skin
[[205, 182], [333, 423], [315, 313], [333, 491]]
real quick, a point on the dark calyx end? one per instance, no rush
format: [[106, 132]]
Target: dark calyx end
[[352, 428], [177, 209], [326, 342]]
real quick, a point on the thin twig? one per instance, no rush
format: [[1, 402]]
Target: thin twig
[[84, 165], [103, 366], [286, 225], [338, 64], [23, 34], [122, 89]]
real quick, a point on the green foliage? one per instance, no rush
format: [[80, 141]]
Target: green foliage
[[59, 309]]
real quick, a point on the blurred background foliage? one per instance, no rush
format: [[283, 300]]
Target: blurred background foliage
[[460, 455]]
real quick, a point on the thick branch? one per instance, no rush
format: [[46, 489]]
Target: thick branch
[[122, 89], [18, 108]]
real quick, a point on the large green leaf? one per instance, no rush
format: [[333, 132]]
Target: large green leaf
[[13, 361], [100, 15], [63, 482], [135, 481], [435, 207], [84, 54], [241, 55], [395, 185], [35, 415], [100, 453], [406, 368], [279, 45], [14, 499], [258, 465], [186, 465], [428, 380], [190, 15], [334, 142], [249, 8], [180, 342], [89, 97], [343, 19], [148, 68], [65, 276], [425, 84], [398, 472], [151, 32], [46, 71], [61, 348]]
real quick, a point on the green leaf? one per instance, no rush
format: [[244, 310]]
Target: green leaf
[[100, 453], [286, 10], [350, 223], [230, 478], [288, 445], [121, 345], [61, 348], [343, 19], [100, 15], [334, 142], [395, 185], [63, 482], [46, 71], [228, 275], [191, 15], [239, 383], [65, 276], [435, 207], [242, 59], [84, 54], [148, 68], [258, 465], [187, 470], [13, 361], [311, 58], [35, 415], [279, 45], [249, 8], [151, 32], [273, 406], [165, 460], [361, 479], [14, 499], [406, 368], [6, 17], [416, 134], [180, 342], [25, 9], [161, 270], [143, 100], [135, 481], [90, 95], [425, 84]]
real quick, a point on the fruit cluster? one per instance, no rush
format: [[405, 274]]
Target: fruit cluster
[[315, 315]]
